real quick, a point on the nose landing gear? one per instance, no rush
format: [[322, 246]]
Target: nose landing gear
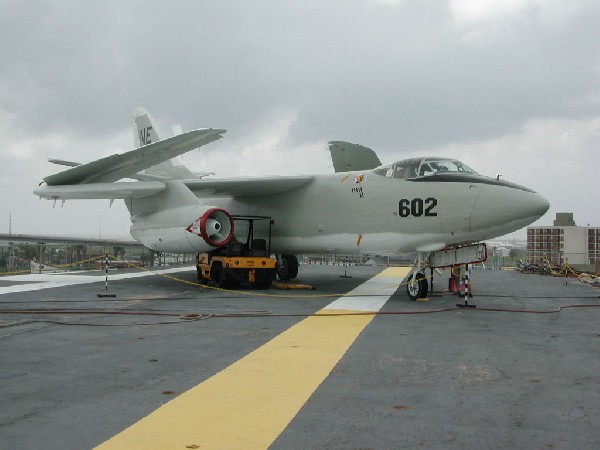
[[417, 286]]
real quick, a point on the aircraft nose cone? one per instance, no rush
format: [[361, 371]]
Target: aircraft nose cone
[[504, 209], [539, 206]]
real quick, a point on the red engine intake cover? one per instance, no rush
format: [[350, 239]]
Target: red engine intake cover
[[215, 226]]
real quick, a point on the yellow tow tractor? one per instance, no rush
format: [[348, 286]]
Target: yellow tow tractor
[[238, 262]]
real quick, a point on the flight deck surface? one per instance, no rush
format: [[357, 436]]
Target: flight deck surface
[[168, 364]]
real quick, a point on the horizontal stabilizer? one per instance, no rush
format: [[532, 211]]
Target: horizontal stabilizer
[[177, 130], [136, 189], [62, 162], [116, 167], [348, 157]]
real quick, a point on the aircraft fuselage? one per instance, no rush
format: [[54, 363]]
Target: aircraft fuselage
[[364, 212]]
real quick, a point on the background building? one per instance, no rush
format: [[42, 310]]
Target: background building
[[565, 242]]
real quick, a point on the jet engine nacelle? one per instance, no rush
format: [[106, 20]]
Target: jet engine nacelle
[[188, 229]]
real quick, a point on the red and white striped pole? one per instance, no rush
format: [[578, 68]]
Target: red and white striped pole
[[467, 289]]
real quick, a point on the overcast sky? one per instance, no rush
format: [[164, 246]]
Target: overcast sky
[[510, 87]]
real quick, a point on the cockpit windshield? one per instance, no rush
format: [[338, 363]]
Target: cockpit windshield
[[423, 167]]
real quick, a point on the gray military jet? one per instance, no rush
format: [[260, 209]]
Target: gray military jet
[[430, 205]]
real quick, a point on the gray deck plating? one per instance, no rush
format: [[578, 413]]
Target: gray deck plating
[[459, 379]]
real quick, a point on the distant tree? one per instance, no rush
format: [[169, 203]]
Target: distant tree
[[27, 251], [518, 253]]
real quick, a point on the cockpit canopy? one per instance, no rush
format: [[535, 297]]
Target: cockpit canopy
[[423, 167]]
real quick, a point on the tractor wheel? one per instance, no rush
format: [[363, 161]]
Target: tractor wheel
[[217, 276]]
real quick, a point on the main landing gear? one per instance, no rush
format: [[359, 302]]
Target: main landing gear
[[287, 267]]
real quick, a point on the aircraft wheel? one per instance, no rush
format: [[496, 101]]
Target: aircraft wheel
[[288, 267], [217, 276], [418, 288]]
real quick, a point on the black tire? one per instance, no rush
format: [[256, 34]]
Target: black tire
[[201, 279], [420, 289], [262, 284], [287, 268], [217, 276]]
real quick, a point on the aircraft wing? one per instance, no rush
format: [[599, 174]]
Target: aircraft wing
[[348, 157], [232, 187], [116, 167], [246, 186], [136, 189]]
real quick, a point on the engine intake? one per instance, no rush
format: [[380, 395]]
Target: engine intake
[[170, 230], [215, 226]]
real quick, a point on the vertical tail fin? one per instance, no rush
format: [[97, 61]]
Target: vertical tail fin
[[145, 129]]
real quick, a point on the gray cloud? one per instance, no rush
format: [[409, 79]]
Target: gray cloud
[[402, 72], [397, 76]]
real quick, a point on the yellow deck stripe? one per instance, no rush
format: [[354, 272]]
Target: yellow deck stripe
[[394, 272], [248, 404]]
